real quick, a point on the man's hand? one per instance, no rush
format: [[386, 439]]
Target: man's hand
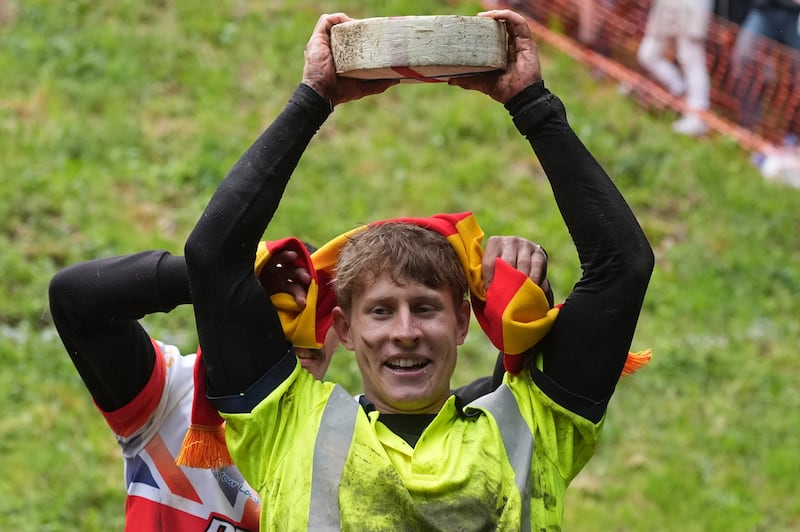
[[526, 256], [280, 274], [522, 69], [319, 71]]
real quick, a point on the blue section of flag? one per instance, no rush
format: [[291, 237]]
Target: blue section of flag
[[137, 470]]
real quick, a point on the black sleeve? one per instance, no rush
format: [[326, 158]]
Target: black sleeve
[[584, 353], [239, 330], [95, 306]]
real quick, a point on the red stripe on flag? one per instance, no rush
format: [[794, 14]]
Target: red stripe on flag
[[444, 224], [503, 288], [177, 481]]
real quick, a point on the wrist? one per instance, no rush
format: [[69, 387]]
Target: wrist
[[531, 93], [534, 106], [310, 94]]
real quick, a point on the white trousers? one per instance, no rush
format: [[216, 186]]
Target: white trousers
[[685, 22]]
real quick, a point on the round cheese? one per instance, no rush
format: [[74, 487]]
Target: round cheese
[[418, 48]]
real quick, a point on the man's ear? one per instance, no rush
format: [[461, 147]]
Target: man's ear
[[342, 327], [462, 321]]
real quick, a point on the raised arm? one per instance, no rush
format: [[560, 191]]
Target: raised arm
[[95, 306], [239, 330], [586, 349]]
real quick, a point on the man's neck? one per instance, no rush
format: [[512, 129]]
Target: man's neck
[[408, 426]]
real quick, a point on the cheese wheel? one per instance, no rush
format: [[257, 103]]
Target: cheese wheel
[[418, 48]]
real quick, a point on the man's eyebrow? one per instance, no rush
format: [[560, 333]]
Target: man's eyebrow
[[379, 299]]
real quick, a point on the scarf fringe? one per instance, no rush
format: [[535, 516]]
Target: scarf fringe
[[204, 447], [635, 361]]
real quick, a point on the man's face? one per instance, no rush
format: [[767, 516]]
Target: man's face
[[316, 361], [405, 337]]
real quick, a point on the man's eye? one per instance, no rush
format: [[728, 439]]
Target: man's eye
[[380, 311]]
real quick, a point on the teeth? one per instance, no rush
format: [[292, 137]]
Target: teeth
[[405, 363]]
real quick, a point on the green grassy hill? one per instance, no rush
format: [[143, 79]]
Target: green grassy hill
[[118, 119]]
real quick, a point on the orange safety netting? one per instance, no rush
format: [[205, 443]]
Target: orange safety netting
[[756, 106]]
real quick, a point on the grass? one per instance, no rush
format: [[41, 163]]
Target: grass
[[118, 119]]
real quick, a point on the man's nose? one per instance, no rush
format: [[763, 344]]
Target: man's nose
[[405, 328]]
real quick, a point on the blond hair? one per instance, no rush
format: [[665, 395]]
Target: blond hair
[[406, 252]]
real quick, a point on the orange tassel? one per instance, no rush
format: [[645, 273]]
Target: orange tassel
[[204, 447], [636, 361]]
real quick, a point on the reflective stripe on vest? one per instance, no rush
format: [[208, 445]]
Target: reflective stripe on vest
[[517, 439], [337, 427]]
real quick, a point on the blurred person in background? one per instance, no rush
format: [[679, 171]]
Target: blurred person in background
[[773, 19], [733, 10], [592, 15], [766, 21], [684, 23]]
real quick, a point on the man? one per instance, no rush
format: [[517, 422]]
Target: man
[[144, 388], [754, 64], [321, 461]]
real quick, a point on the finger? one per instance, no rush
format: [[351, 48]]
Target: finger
[[298, 292], [516, 25], [327, 21], [487, 263], [353, 89], [281, 257], [539, 266], [298, 275], [531, 260], [476, 83], [377, 86], [520, 257]]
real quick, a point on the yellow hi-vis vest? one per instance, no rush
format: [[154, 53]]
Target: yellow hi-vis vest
[[336, 431], [320, 462]]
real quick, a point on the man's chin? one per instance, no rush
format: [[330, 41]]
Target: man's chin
[[415, 401]]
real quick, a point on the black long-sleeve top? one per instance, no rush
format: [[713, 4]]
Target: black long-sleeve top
[[244, 349], [95, 306]]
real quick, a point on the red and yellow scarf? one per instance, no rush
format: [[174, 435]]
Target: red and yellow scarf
[[513, 312]]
